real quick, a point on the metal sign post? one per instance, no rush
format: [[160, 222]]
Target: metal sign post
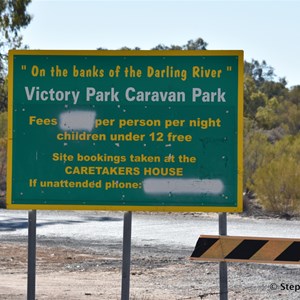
[[126, 255], [222, 264], [31, 255]]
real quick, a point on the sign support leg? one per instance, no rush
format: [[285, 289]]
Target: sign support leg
[[126, 255], [31, 255], [223, 265]]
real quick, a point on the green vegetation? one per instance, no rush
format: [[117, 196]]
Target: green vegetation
[[276, 180], [271, 131], [271, 140], [13, 17], [3, 140]]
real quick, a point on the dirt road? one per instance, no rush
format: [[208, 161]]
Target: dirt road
[[92, 270]]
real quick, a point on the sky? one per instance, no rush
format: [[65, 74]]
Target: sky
[[266, 30]]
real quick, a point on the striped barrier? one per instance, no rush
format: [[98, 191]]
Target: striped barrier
[[247, 249]]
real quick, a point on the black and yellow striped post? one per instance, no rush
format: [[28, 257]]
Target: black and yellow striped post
[[247, 249]]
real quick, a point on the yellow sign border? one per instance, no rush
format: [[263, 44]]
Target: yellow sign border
[[238, 53]]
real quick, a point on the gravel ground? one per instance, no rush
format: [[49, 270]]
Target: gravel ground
[[72, 269]]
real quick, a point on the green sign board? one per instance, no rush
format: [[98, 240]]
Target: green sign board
[[125, 130]]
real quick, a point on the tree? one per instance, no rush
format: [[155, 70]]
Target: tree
[[260, 72], [13, 17], [276, 181], [3, 140], [198, 44], [274, 89], [267, 116], [294, 94], [277, 186], [256, 150]]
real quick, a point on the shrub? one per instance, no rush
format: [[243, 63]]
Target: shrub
[[276, 182]]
